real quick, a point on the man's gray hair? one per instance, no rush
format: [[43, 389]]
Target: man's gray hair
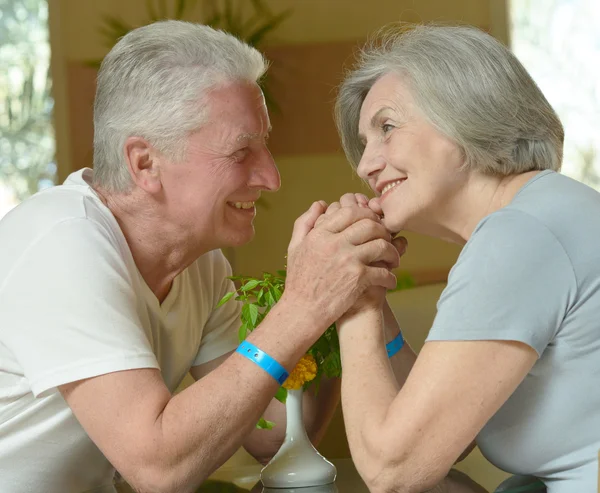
[[470, 87], [153, 83]]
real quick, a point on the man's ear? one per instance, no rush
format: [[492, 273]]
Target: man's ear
[[143, 163]]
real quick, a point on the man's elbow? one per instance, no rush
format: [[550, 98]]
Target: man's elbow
[[163, 480], [149, 480], [158, 470]]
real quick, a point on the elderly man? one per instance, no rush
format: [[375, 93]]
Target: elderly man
[[109, 284]]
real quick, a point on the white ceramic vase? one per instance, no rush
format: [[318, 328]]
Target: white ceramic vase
[[297, 464]]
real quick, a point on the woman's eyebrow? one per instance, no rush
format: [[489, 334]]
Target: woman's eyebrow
[[373, 122]]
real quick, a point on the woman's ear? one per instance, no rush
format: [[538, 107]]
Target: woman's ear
[[143, 164]]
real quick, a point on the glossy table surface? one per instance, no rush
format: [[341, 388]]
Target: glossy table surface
[[247, 478]]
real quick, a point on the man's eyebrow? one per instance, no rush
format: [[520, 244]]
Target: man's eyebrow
[[373, 122], [252, 136]]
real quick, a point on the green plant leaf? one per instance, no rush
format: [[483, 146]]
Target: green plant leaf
[[264, 293], [246, 313], [243, 332], [281, 394], [263, 424], [250, 285], [250, 314], [332, 365], [226, 298], [403, 281], [253, 314], [277, 293]]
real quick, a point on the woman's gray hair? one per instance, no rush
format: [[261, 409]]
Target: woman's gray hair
[[152, 85], [470, 87]]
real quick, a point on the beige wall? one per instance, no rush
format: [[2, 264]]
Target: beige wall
[[313, 21]]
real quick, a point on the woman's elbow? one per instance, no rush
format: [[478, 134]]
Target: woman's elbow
[[393, 470], [401, 479]]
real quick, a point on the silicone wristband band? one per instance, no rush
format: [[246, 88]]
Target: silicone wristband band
[[262, 359], [394, 345]]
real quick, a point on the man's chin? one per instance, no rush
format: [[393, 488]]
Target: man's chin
[[241, 238]]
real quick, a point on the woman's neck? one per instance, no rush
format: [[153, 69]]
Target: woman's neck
[[481, 196]]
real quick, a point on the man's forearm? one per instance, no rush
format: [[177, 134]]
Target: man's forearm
[[318, 411], [204, 424]]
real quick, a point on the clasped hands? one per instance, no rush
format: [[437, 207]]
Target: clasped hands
[[341, 257]]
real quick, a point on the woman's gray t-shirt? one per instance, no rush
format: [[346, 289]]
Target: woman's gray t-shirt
[[531, 273]]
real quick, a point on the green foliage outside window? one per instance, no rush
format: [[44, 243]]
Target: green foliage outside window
[[27, 144]]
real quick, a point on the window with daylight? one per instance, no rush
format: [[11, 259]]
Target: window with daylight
[[27, 144], [558, 41]]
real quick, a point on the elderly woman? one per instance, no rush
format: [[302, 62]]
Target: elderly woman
[[457, 142]]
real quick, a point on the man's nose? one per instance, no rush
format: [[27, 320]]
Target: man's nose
[[265, 175]]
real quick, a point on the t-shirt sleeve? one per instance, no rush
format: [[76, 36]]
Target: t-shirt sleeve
[[220, 335], [69, 309], [513, 281]]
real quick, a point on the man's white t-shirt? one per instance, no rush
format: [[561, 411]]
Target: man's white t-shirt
[[73, 305]]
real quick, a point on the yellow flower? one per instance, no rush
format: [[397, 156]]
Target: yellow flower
[[304, 371]]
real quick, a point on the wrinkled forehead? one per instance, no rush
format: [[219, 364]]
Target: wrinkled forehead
[[241, 105], [235, 97]]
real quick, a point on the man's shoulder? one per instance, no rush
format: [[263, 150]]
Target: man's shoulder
[[59, 223], [51, 207]]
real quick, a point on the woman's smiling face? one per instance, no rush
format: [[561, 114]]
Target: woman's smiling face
[[414, 169]]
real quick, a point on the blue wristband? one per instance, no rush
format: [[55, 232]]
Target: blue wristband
[[394, 345], [262, 359]]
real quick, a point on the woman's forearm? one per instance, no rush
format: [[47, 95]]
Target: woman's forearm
[[368, 384], [403, 361]]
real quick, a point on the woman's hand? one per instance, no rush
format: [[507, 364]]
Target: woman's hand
[[374, 297], [334, 255]]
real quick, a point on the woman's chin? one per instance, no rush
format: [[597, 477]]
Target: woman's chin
[[394, 225]]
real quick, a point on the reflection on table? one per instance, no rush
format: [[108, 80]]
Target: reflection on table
[[247, 479]]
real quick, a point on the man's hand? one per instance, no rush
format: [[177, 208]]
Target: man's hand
[[334, 256], [374, 296]]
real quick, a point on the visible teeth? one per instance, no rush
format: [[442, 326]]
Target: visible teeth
[[243, 205], [390, 186]]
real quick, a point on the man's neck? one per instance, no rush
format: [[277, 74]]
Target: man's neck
[[160, 249]]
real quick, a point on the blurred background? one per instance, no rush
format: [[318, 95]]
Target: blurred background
[[50, 51]]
